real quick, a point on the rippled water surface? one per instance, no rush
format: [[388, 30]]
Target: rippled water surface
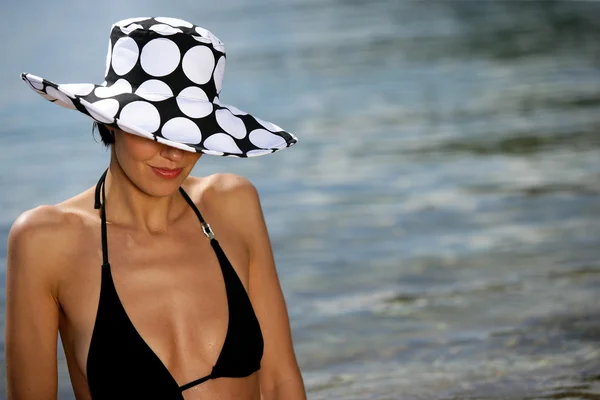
[[436, 229]]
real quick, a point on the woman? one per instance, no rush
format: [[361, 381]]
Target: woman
[[151, 301]]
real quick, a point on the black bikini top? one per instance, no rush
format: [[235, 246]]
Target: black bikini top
[[120, 363]]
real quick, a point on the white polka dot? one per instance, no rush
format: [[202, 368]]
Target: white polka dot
[[103, 110], [165, 29], [125, 55], [174, 21], [154, 90], [61, 98], [256, 153], [128, 21], [213, 152], [269, 125], [119, 87], [160, 57], [266, 140], [130, 28], [198, 64], [201, 31], [35, 82], [219, 72], [217, 44], [202, 39], [181, 130], [221, 142], [212, 39], [231, 124], [140, 115], [194, 93], [79, 89], [192, 101], [175, 144], [108, 58], [234, 109], [216, 41]]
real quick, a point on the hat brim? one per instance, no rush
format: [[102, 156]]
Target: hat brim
[[206, 127]]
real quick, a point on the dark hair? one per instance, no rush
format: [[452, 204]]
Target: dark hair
[[106, 136]]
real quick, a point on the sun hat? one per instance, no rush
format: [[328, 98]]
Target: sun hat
[[162, 82]]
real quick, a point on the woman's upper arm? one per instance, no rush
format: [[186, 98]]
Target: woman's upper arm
[[32, 309], [279, 369]]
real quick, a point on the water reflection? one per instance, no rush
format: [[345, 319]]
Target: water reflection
[[512, 30], [521, 144]]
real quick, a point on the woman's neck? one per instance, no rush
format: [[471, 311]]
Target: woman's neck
[[128, 205]]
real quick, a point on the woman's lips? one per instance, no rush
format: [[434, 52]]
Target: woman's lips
[[166, 172]]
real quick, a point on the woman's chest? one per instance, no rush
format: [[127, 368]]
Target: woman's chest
[[171, 287]]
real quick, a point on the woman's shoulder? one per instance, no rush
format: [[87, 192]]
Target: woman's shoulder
[[49, 230], [223, 189], [229, 198]]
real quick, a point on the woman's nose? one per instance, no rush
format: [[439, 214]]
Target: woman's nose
[[172, 153]]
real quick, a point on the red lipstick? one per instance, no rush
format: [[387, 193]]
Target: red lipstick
[[166, 173]]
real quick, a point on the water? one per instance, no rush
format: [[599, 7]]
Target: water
[[436, 229]]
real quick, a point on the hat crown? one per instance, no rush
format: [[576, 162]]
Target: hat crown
[[170, 53]]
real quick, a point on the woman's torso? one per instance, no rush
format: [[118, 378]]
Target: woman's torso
[[170, 284]]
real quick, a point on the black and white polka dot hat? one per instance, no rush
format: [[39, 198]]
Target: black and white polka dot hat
[[162, 81]]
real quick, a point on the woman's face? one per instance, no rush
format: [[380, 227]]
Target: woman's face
[[156, 169]]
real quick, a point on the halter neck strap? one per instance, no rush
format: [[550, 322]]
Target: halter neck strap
[[102, 206], [205, 227]]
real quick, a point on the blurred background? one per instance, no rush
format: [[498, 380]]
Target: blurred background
[[436, 229]]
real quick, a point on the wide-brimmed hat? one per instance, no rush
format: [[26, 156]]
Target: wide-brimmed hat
[[162, 81]]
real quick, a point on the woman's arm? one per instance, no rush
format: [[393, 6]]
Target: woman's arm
[[279, 375], [32, 309]]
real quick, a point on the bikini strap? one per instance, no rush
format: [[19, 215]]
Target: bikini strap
[[205, 226], [102, 206]]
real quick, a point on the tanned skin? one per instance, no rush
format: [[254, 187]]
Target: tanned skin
[[164, 270]]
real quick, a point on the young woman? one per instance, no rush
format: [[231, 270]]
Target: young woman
[[162, 285]]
